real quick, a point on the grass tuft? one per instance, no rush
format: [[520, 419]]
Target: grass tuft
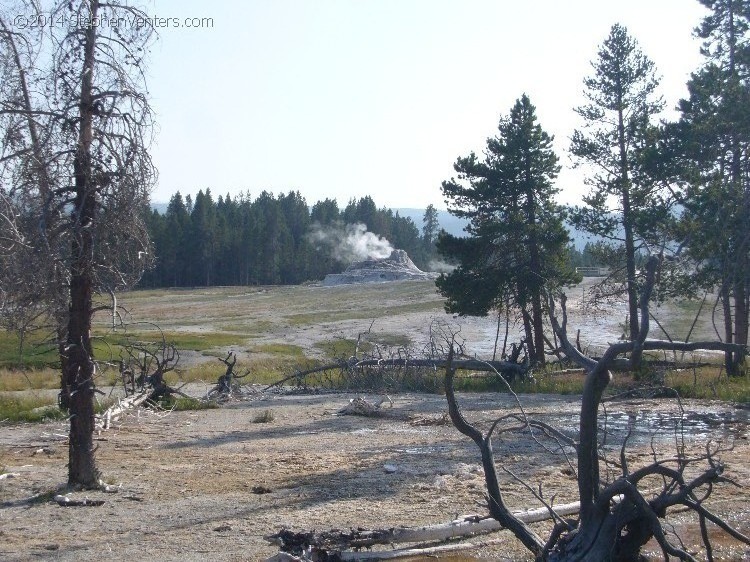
[[266, 416], [182, 403]]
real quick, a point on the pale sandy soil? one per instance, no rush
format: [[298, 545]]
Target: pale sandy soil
[[186, 479]]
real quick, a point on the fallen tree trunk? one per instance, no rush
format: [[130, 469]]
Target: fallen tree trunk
[[114, 412], [335, 543], [410, 552], [507, 369]]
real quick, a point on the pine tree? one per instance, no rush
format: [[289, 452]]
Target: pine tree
[[430, 231], [203, 242], [623, 204], [714, 131], [516, 248]]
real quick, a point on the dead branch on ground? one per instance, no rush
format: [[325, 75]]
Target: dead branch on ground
[[361, 407], [338, 545], [504, 368]]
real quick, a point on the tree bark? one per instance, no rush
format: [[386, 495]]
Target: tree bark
[[740, 324], [78, 365], [627, 220], [528, 328], [726, 303]]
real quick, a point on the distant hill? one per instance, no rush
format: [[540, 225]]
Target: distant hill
[[452, 225]]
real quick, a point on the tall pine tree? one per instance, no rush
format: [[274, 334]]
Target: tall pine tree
[[623, 204], [715, 134], [517, 244]]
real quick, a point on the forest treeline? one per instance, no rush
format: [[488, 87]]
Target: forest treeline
[[268, 240], [271, 239]]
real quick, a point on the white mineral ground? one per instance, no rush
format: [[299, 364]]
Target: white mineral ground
[[397, 267]]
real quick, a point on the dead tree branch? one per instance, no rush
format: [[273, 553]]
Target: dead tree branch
[[619, 532], [496, 503]]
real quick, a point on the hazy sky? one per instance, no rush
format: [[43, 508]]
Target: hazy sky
[[347, 98]]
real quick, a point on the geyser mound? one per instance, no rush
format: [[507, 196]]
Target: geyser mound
[[396, 267]]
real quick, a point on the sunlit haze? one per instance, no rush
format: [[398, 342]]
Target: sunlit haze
[[345, 98]]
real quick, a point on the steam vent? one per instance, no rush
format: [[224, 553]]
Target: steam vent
[[397, 267]]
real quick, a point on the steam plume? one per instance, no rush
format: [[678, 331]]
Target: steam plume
[[440, 266], [349, 243]]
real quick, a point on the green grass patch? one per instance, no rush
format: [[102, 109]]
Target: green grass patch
[[342, 347], [477, 382], [182, 340], [390, 340], [709, 383], [37, 351], [366, 314], [279, 349], [267, 370], [551, 382], [249, 328], [29, 409], [29, 379], [271, 370], [706, 382]]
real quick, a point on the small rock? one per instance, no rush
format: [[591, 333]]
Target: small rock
[[223, 528], [440, 482], [389, 468], [261, 490]]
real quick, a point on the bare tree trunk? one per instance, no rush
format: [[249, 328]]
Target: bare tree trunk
[[740, 322], [537, 317], [78, 364], [538, 324], [726, 303], [631, 283], [529, 331]]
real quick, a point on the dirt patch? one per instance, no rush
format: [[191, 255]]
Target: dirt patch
[[211, 484]]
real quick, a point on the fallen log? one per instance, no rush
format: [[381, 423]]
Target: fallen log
[[114, 412], [336, 543], [361, 407], [507, 369], [418, 551], [394, 554]]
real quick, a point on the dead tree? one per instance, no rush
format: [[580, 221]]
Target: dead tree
[[225, 385], [616, 517], [74, 130], [151, 362]]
